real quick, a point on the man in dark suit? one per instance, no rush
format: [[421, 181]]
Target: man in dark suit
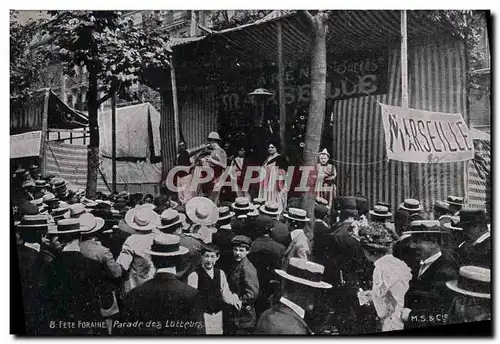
[[428, 299], [476, 249], [243, 282], [301, 282], [72, 291], [300, 247], [266, 255], [280, 232], [32, 265], [164, 304], [222, 239], [321, 232]]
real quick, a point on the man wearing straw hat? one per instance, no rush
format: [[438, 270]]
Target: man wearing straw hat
[[72, 289], [280, 232], [164, 305], [427, 301], [91, 247], [32, 266], [301, 282], [473, 295], [300, 246], [133, 257]]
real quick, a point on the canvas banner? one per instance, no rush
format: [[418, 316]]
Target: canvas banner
[[25, 145], [425, 137]]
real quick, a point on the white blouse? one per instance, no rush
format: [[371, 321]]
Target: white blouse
[[390, 283]]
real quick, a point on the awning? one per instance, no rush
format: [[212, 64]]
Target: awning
[[479, 135]]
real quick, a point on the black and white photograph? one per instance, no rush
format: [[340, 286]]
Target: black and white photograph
[[250, 172]]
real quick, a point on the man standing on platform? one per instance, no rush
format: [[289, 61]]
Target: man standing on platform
[[217, 160]]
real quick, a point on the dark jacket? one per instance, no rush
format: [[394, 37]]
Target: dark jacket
[[244, 282], [266, 254], [282, 320], [320, 250], [349, 257], [471, 253], [174, 306], [190, 261], [428, 297], [280, 233], [72, 291], [222, 239], [31, 266]]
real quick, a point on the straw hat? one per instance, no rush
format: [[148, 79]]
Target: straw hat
[[411, 204], [28, 183], [425, 227], [34, 222], [40, 183], [202, 211], [76, 210], [68, 226], [259, 201], [473, 281], [166, 245], [169, 218], [141, 219], [270, 208], [296, 214], [380, 211], [304, 272], [455, 200], [90, 224], [321, 200], [241, 203], [225, 213]]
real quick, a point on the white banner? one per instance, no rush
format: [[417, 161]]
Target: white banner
[[25, 144], [424, 136]]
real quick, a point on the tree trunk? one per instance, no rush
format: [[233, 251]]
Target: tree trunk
[[317, 103], [93, 148]]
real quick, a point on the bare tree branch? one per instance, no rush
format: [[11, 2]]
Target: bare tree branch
[[307, 16]]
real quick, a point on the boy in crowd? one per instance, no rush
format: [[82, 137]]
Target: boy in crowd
[[214, 290]]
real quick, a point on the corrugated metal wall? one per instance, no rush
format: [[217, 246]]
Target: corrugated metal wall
[[70, 162], [197, 115], [436, 83]]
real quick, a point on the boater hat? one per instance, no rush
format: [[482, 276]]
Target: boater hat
[[321, 200], [68, 226], [225, 213], [40, 183], [169, 218], [380, 211], [411, 204], [473, 281], [28, 183], [425, 227], [202, 211], [270, 208], [241, 203], [90, 224], [76, 210], [455, 200], [141, 219], [259, 201], [166, 245], [450, 222], [34, 222], [304, 272], [296, 214], [63, 212]]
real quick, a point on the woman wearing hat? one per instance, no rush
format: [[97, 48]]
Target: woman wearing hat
[[326, 174], [391, 277], [270, 188]]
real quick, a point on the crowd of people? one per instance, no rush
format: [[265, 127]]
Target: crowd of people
[[183, 264]]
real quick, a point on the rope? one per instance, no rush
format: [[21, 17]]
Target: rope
[[360, 163]]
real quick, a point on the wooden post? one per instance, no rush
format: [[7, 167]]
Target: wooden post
[[43, 135], [174, 101], [113, 141], [281, 87], [407, 167]]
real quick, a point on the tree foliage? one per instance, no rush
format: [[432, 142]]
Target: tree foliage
[[26, 66], [116, 57], [222, 20]]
